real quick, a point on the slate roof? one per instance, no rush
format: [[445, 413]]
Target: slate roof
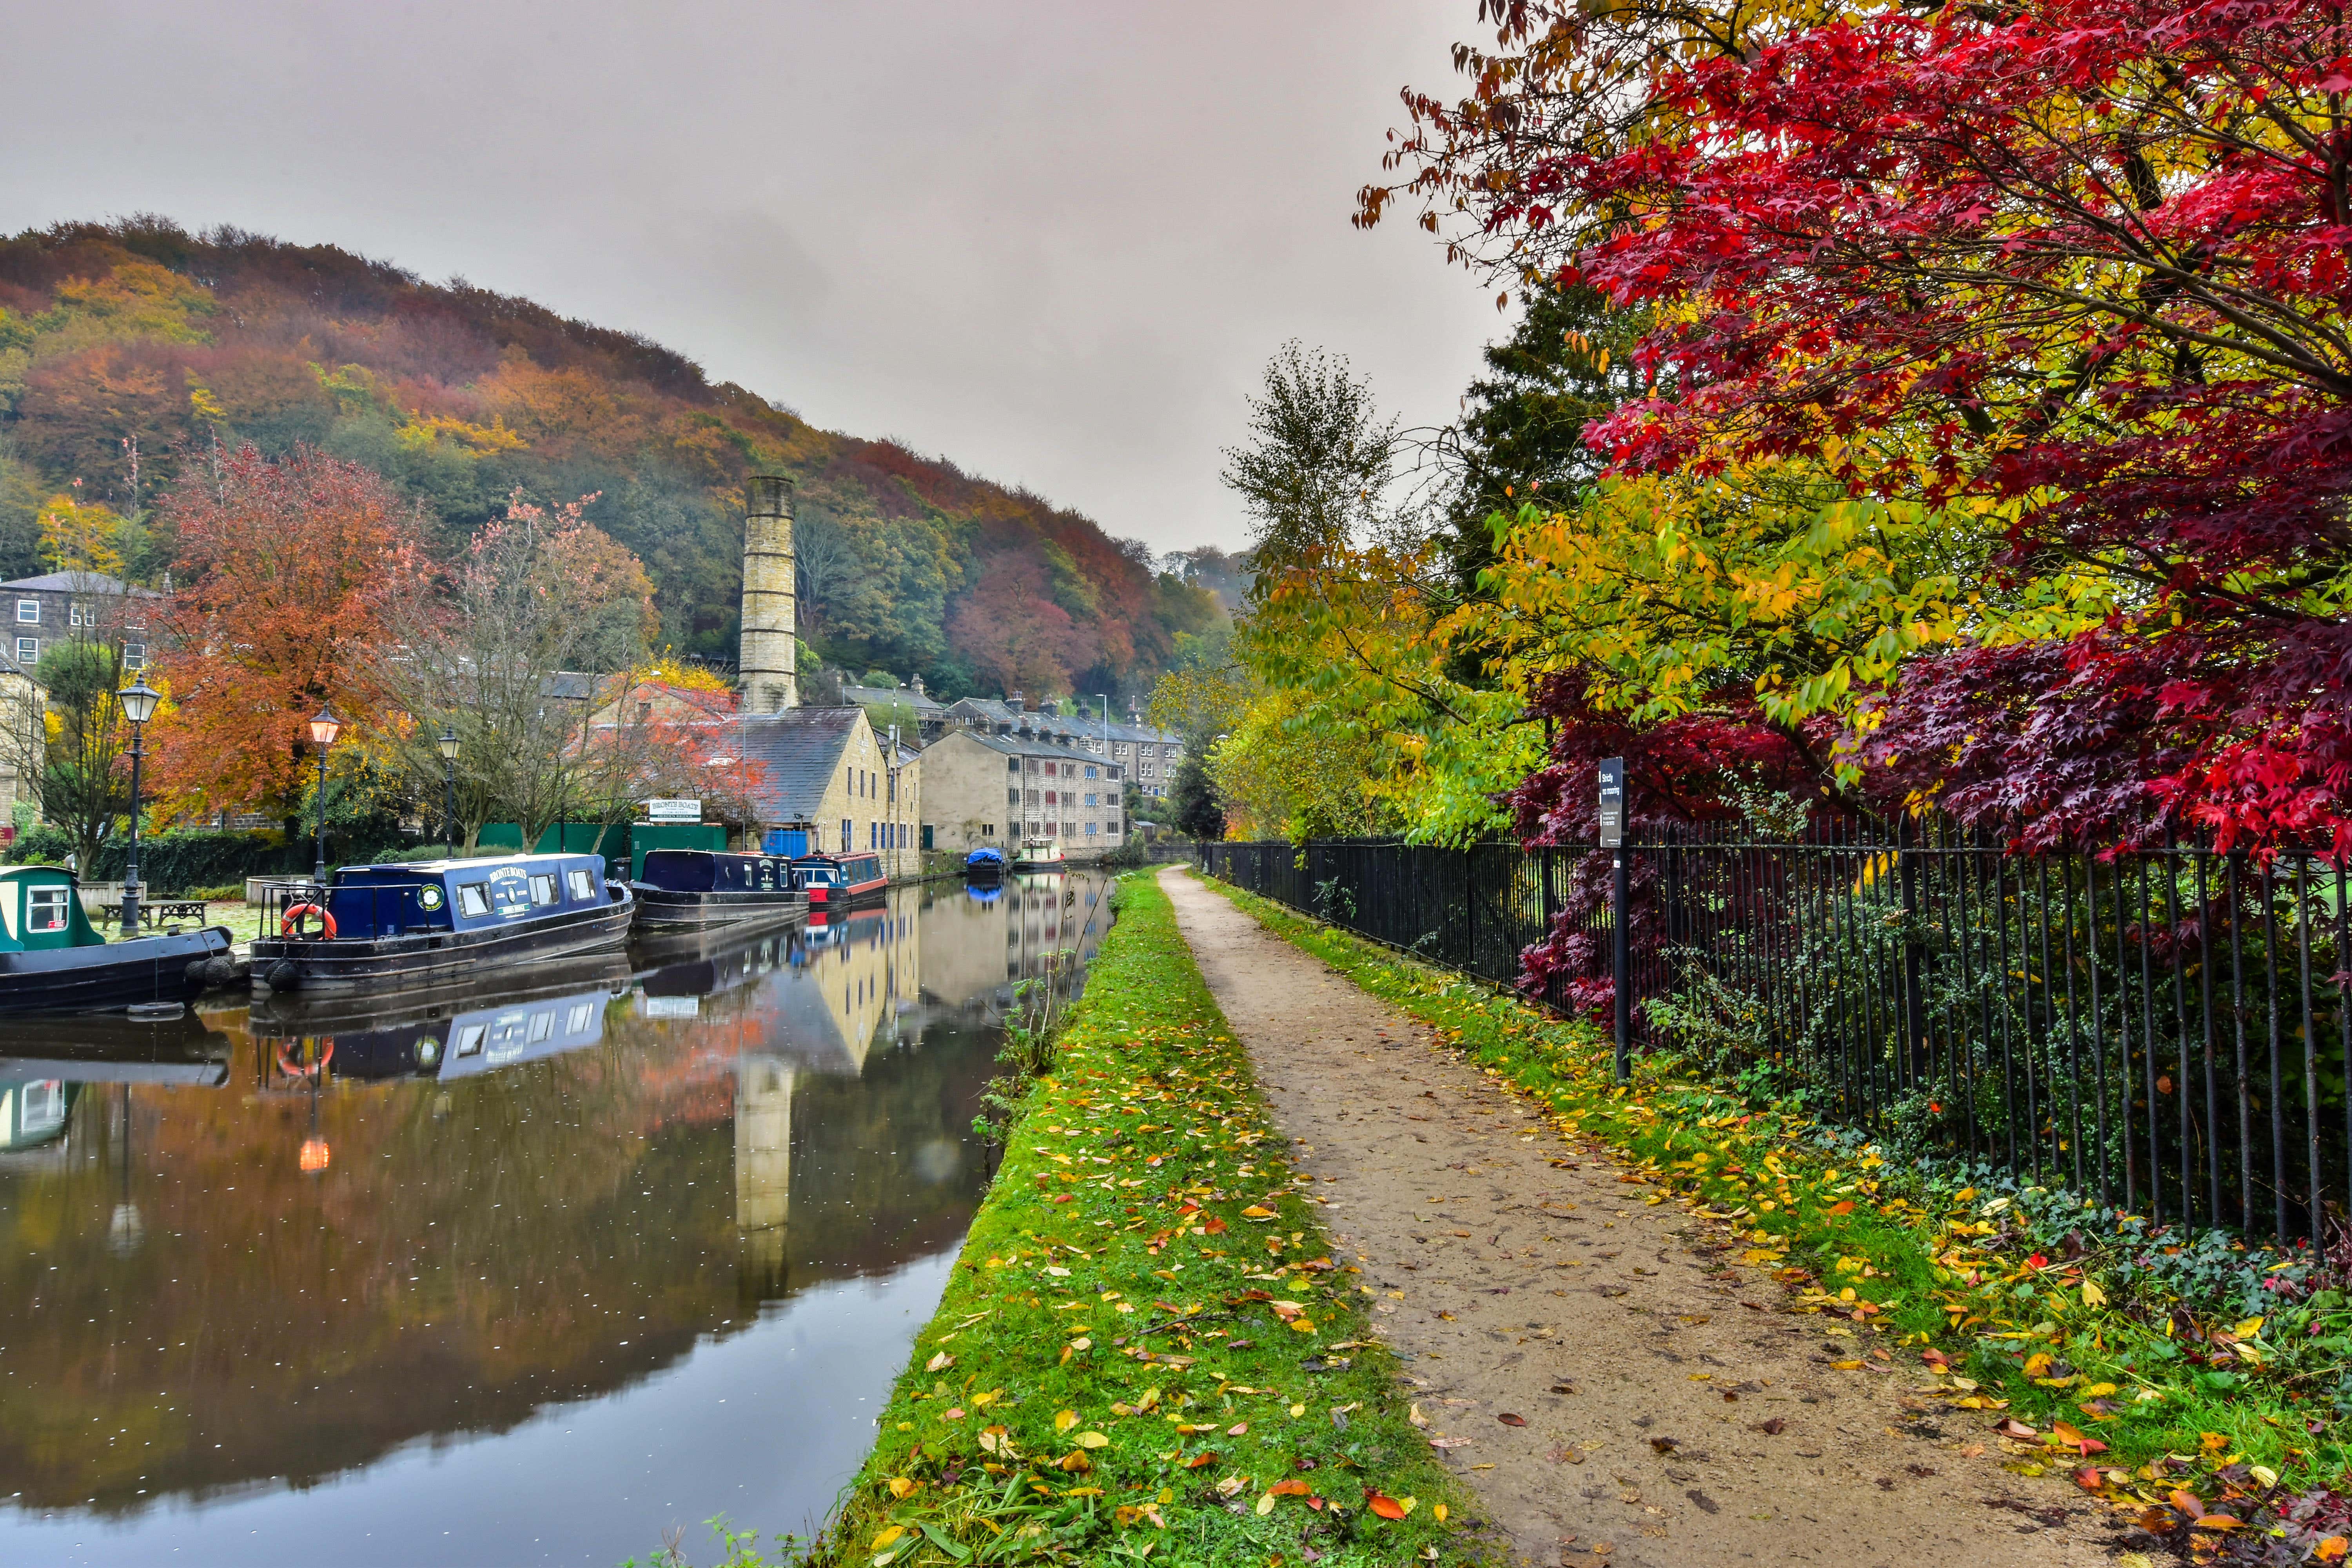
[[999, 712], [925, 705], [77, 583], [1019, 746], [800, 749]]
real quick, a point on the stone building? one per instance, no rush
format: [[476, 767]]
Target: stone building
[[1146, 755], [83, 606], [984, 788], [930, 717], [827, 776]]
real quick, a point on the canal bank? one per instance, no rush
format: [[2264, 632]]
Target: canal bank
[[1149, 1343]]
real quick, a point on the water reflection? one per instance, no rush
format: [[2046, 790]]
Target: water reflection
[[249, 1254]]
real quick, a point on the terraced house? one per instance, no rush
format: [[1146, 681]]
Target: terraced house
[[985, 788]]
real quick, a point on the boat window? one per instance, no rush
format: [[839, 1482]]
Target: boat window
[[576, 1021], [469, 1038], [45, 909], [474, 898], [583, 886], [542, 888], [542, 1024]]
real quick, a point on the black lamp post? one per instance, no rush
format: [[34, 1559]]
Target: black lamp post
[[324, 728], [449, 783], [137, 706]]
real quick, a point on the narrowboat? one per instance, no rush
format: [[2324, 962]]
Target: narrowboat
[[832, 880], [984, 864], [398, 927], [1039, 855], [692, 890], [53, 960]]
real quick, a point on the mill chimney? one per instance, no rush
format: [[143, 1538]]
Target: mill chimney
[[764, 658]]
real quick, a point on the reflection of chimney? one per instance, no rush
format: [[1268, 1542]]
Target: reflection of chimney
[[763, 1162], [764, 662]]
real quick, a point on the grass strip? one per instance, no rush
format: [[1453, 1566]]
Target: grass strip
[[2195, 1427], [1148, 1349]]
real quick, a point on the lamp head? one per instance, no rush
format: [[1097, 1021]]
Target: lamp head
[[139, 702], [449, 742], [325, 727]]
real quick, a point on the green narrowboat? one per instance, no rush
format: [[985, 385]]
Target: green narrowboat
[[53, 960]]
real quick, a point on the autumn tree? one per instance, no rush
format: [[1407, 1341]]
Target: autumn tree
[[291, 577], [2073, 267], [544, 616]]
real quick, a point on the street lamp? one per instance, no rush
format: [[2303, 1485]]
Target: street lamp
[[324, 728], [137, 706], [449, 783]]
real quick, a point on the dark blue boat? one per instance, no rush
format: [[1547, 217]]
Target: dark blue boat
[[400, 926], [984, 864], [693, 889]]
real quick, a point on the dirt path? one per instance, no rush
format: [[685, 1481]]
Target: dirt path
[[1618, 1331]]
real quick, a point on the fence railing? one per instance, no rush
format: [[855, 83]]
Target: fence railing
[[2166, 1028]]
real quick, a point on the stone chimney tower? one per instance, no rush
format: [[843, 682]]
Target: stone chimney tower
[[764, 662]]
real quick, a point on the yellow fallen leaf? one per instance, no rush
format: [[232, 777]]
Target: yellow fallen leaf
[[1408, 1504], [1092, 1440], [939, 1362], [1265, 1502], [887, 1534], [1412, 1414], [2038, 1364], [2093, 1295], [1438, 1513], [901, 1487], [2098, 1391], [1065, 1420], [1257, 1211], [1847, 1365]]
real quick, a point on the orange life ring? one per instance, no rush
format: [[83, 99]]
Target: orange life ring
[[293, 916], [295, 1069]]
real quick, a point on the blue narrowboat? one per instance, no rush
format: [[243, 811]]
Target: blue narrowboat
[[694, 889], [396, 927], [414, 1032], [53, 960]]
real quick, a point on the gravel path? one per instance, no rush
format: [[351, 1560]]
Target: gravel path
[[1615, 1389]]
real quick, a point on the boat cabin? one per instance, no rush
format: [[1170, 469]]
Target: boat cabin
[[371, 903], [712, 871], [857, 872], [40, 909]]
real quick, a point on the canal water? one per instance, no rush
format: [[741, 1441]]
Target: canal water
[[531, 1273]]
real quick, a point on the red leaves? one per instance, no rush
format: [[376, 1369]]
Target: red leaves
[[1510, 1419], [1386, 1507]]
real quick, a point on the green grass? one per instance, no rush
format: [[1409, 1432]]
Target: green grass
[[1902, 1261], [1118, 1370]]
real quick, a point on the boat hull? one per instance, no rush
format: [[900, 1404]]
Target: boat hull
[[407, 962], [670, 909], [118, 974]]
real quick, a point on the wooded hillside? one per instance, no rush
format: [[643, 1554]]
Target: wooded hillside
[[129, 349]]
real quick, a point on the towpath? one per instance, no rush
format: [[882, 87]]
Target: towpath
[[1672, 1415]]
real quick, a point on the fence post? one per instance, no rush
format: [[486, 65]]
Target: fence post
[[1618, 897], [1914, 1004]]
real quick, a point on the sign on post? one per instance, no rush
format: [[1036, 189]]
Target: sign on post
[[1613, 802], [1613, 837], [673, 811]]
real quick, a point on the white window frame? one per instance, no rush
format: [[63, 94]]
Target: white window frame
[[28, 650], [28, 612]]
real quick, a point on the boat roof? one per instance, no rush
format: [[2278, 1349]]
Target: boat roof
[[437, 867]]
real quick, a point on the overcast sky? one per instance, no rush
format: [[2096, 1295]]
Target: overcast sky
[[1055, 243]]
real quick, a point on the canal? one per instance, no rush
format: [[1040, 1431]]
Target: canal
[[526, 1274]]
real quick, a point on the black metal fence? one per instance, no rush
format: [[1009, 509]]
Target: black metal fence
[[2166, 1028]]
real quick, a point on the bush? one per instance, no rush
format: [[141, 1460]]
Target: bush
[[202, 857], [227, 893]]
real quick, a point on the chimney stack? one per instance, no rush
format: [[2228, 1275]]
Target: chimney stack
[[764, 658], [1015, 701]]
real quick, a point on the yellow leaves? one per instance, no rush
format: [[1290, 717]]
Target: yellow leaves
[[2093, 1295], [901, 1487], [1091, 1440], [939, 1363], [886, 1535], [1065, 1420]]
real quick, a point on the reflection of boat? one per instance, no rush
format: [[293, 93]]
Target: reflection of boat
[[691, 888], [455, 1031], [1039, 855], [831, 880], [428, 921], [709, 969], [53, 960], [984, 864], [983, 892]]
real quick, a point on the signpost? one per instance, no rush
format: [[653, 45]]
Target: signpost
[[1613, 837], [673, 811]]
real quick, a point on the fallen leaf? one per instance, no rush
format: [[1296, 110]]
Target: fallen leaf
[[1508, 1419], [1064, 1421], [1566, 1455], [1092, 1440], [1412, 1414], [2093, 1295], [901, 1487], [939, 1362], [1386, 1507], [1775, 1426], [1665, 1445], [1292, 1488], [1265, 1503], [886, 1535], [1201, 1461], [2011, 1426], [1438, 1513]]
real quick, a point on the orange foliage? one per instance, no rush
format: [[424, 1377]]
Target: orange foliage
[[290, 572]]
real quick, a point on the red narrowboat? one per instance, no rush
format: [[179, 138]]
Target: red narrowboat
[[832, 880]]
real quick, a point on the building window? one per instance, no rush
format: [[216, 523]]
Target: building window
[[135, 656], [1030, 797], [1113, 774], [845, 836], [1069, 830], [988, 830], [1012, 765], [1050, 799], [1090, 771], [28, 612], [28, 650], [1012, 797], [1090, 801], [1090, 830]]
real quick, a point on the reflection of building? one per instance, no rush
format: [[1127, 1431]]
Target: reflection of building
[[858, 968], [763, 1162]]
